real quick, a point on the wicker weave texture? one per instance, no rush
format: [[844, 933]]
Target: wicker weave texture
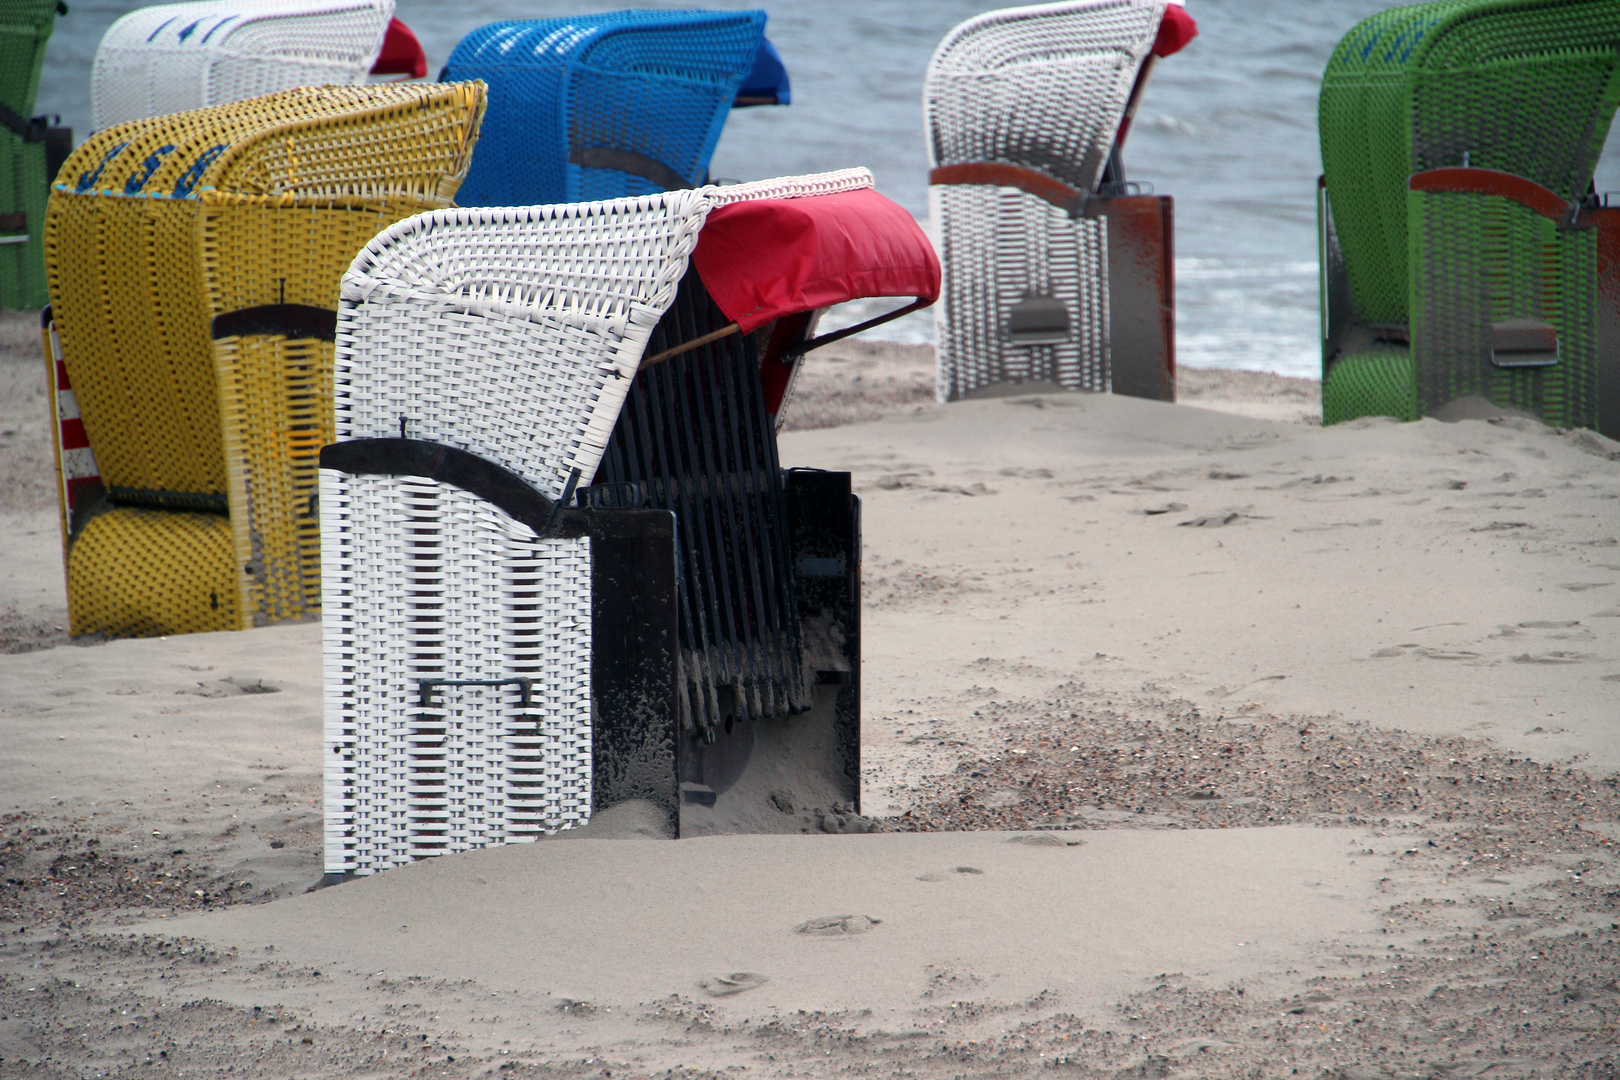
[[1044, 88], [999, 246], [157, 227], [514, 334], [1378, 382], [658, 84], [425, 581], [1527, 87], [23, 189], [179, 57], [149, 573], [1479, 259], [25, 26]]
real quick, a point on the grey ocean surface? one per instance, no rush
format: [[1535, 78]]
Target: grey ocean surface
[[1228, 127]]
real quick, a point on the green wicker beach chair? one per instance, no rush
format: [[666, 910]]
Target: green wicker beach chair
[[25, 26], [1464, 253]]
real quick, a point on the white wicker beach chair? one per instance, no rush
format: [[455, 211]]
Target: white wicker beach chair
[[175, 57], [1024, 109], [486, 638]]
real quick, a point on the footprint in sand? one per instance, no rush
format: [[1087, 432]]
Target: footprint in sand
[[231, 687], [837, 925], [1047, 840], [734, 983]]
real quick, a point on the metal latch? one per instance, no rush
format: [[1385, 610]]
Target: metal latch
[[1523, 343], [1038, 320]]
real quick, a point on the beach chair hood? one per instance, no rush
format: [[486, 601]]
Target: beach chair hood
[[596, 107], [176, 57]]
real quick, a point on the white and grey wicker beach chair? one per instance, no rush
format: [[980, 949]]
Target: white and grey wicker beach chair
[[175, 57], [562, 568], [1056, 271]]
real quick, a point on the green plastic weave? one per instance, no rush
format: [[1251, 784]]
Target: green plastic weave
[[1478, 259], [1377, 382], [25, 26], [1527, 87]]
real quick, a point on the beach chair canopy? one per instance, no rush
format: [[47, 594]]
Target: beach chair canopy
[[177, 57], [25, 26], [1026, 109], [194, 261], [606, 565], [1045, 87], [1420, 266], [601, 106]]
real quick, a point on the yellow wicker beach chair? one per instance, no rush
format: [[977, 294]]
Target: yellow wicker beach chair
[[194, 262]]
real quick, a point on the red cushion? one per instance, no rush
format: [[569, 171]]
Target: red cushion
[[766, 258]]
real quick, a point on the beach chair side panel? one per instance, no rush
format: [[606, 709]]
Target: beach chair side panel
[[1003, 247]]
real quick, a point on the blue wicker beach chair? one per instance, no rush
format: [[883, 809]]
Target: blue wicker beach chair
[[612, 105]]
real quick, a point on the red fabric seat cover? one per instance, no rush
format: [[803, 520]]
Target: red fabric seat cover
[[767, 258]]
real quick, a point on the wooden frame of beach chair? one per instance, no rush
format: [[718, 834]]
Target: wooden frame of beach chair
[[1057, 270], [194, 262], [604, 106], [29, 148], [563, 569], [1465, 258], [179, 57]]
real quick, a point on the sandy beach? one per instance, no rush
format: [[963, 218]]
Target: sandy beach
[[1206, 742]]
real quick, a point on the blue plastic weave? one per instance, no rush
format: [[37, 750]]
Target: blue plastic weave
[[654, 84]]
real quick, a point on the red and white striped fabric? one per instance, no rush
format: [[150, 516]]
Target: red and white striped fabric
[[77, 474]]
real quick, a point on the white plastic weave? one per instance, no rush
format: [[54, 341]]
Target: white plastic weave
[[425, 581], [1045, 88], [999, 245], [175, 57], [513, 334], [790, 187]]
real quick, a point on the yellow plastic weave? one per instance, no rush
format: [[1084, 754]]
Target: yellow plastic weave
[[148, 573], [157, 226]]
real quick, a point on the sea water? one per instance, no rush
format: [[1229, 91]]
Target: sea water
[[1227, 127]]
